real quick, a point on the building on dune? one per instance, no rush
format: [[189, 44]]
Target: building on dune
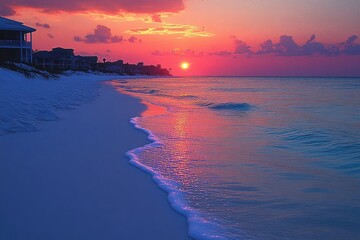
[[134, 69], [15, 41], [59, 59]]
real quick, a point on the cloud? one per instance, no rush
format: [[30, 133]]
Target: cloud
[[312, 47], [350, 40], [156, 18], [7, 7], [190, 53], [134, 39], [267, 47], [312, 38], [6, 10], [286, 46], [350, 47], [220, 53], [172, 29], [44, 25], [101, 34], [179, 52], [242, 48]]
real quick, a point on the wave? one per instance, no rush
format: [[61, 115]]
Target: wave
[[157, 93], [229, 106], [244, 90], [341, 150], [185, 97], [145, 91], [199, 227]]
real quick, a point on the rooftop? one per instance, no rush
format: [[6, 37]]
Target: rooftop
[[8, 24]]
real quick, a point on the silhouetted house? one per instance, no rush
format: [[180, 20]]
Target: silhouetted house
[[132, 69], [117, 66], [59, 59], [141, 69], [15, 41], [84, 63], [155, 71]]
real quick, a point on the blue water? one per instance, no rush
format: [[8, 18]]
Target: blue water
[[255, 158]]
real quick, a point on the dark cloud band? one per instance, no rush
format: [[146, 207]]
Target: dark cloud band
[[8, 7]]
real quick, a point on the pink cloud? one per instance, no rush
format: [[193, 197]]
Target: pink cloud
[[156, 18], [8, 7]]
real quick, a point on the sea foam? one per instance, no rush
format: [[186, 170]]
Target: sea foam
[[199, 228]]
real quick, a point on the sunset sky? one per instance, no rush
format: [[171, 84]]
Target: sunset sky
[[216, 37]]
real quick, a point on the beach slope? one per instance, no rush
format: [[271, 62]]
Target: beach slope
[[71, 179]]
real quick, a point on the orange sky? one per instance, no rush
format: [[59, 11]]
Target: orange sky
[[217, 37]]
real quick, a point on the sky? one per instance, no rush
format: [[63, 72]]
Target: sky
[[216, 37]]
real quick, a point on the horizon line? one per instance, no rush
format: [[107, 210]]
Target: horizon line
[[268, 76]]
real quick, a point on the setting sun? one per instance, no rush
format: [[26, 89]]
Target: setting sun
[[185, 65]]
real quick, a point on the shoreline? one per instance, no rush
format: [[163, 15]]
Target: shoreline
[[58, 185], [198, 226]]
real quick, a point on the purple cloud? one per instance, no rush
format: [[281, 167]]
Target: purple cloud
[[6, 10], [312, 47], [242, 48], [285, 47], [179, 52], [350, 40], [220, 53], [288, 47], [350, 47], [43, 25], [267, 47], [101, 34], [7, 7], [134, 39]]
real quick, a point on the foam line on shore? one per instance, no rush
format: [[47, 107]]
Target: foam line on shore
[[199, 228]]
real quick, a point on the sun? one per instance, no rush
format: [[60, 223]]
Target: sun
[[185, 65]]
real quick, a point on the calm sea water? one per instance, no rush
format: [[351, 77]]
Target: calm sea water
[[255, 158]]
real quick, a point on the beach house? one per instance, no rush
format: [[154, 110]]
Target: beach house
[[60, 59], [15, 41]]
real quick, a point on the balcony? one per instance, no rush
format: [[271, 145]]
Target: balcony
[[14, 44]]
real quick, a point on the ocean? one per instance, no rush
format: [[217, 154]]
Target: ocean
[[254, 158]]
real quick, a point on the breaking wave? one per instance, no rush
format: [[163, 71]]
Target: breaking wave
[[229, 106]]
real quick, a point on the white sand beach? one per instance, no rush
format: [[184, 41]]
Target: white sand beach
[[70, 178]]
